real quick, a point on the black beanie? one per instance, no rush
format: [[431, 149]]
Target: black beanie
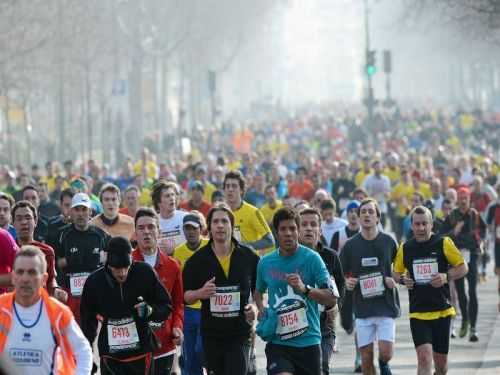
[[119, 250]]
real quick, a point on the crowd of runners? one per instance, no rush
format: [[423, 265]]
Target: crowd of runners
[[288, 230]]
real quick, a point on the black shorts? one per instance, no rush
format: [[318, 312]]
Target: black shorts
[[298, 361], [140, 366], [226, 356], [435, 332], [163, 365]]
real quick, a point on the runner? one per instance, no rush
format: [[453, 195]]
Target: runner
[[310, 236], [25, 220], [192, 347], [330, 223], [165, 196], [127, 295], [367, 263], [222, 276], [79, 250], [466, 228], [169, 332], [425, 264], [196, 200], [111, 221], [6, 204], [39, 334], [131, 197], [250, 227], [30, 194], [8, 250], [297, 282]]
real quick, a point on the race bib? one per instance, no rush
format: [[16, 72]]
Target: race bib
[[424, 270], [76, 283], [226, 302], [122, 334], [372, 285], [26, 357], [292, 321], [465, 255], [369, 262]]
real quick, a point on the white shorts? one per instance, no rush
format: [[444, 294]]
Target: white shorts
[[378, 328]]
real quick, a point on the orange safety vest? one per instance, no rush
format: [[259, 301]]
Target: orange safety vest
[[60, 317]]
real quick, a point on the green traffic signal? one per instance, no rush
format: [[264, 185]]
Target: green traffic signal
[[371, 70]]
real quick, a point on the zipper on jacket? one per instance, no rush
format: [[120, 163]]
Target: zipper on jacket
[[121, 291]]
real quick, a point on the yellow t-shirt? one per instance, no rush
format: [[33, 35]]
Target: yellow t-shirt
[[454, 258], [208, 189], [145, 198], [269, 212], [225, 262], [393, 174], [401, 194], [360, 177], [151, 169], [249, 224], [182, 253], [425, 190]]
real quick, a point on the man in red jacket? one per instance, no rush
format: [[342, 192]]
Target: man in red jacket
[[169, 333]]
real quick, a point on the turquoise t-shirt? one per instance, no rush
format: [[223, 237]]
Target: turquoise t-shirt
[[298, 316]]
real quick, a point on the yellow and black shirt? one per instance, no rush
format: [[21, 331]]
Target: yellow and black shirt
[[422, 260]]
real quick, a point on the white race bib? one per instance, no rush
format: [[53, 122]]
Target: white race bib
[[465, 255], [369, 262], [122, 334], [292, 321], [226, 302], [424, 270], [372, 285], [76, 283]]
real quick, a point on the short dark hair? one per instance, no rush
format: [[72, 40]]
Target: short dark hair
[[29, 187], [445, 201], [311, 211], [158, 189], [219, 207], [66, 193], [369, 200], [8, 198], [360, 190], [285, 213], [328, 204], [419, 210], [235, 175], [111, 188], [24, 204], [145, 211]]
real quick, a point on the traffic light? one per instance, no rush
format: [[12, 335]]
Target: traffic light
[[371, 68]]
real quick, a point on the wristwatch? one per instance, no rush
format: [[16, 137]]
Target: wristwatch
[[308, 289]]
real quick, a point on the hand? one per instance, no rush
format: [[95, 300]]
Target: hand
[[389, 282], [408, 281], [351, 282], [143, 309], [207, 290], [250, 312], [439, 279], [177, 336], [458, 227], [60, 295], [295, 282]]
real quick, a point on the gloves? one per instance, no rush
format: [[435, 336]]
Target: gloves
[[143, 309]]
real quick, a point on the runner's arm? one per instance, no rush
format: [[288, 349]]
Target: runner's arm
[[265, 242], [81, 349]]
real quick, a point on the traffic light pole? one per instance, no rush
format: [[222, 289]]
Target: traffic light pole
[[369, 100]]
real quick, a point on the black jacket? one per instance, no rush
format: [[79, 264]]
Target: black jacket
[[334, 267], [204, 265], [103, 295]]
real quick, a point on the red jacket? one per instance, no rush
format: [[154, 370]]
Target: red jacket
[[50, 257], [170, 275]]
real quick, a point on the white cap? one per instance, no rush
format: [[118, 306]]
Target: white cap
[[81, 199]]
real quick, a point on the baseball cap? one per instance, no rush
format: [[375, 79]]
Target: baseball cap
[[196, 185], [352, 205], [119, 252], [193, 220], [81, 199]]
